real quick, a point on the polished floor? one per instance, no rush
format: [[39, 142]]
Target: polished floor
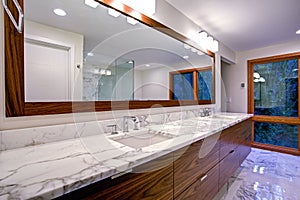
[[265, 175]]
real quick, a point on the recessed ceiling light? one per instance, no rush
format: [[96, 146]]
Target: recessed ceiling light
[[90, 54], [298, 32], [186, 57], [91, 3], [60, 12]]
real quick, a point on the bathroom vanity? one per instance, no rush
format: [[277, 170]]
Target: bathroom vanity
[[196, 171], [195, 160]]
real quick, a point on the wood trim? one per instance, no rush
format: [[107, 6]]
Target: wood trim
[[275, 148], [250, 88], [14, 75], [48, 108], [272, 119], [277, 119], [275, 58], [195, 73], [14, 70]]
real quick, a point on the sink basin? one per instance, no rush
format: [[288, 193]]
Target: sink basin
[[140, 139], [224, 116]]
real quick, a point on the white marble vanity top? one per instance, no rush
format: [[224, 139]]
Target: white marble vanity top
[[53, 169]]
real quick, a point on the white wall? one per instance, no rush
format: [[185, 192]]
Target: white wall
[[235, 74], [165, 14], [47, 34]]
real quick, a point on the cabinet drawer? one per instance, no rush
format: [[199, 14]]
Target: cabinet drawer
[[206, 187], [244, 149], [228, 166], [230, 138], [145, 182], [192, 162]]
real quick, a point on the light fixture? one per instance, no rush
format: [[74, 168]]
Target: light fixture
[[256, 80], [261, 79], [200, 53], [132, 21], [294, 70], [298, 32], [186, 46], [194, 50], [256, 75], [147, 65], [60, 12], [146, 7], [102, 71], [186, 57], [90, 54], [113, 12], [130, 61], [91, 3], [108, 72]]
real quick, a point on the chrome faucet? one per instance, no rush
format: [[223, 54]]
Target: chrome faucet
[[134, 119]]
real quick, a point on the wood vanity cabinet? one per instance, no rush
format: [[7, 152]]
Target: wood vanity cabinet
[[192, 164], [234, 148], [197, 171], [153, 180]]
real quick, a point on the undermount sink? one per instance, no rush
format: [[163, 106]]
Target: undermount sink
[[141, 138], [224, 116]]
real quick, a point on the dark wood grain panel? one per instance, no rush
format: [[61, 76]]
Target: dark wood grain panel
[[230, 138], [228, 166], [14, 65], [149, 181], [42, 108], [206, 187], [244, 149], [192, 162]]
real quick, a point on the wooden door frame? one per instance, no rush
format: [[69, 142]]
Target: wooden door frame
[[272, 119]]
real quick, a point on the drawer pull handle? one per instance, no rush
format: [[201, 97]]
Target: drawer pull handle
[[18, 24], [231, 151], [203, 177], [121, 174]]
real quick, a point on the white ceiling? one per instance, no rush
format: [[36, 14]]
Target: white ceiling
[[245, 24]]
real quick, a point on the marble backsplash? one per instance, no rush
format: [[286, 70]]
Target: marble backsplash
[[18, 138]]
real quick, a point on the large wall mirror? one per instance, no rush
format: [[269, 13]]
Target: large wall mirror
[[92, 57]]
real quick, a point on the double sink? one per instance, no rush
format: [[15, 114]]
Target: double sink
[[138, 139]]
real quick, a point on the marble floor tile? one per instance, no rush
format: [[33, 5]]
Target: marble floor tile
[[265, 175]]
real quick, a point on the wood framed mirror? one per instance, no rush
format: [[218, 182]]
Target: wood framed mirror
[[27, 86]]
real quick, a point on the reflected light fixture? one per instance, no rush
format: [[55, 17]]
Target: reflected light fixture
[[132, 21], [298, 32], [261, 79], [113, 12], [186, 46], [256, 75], [186, 57], [91, 3], [60, 12], [108, 72], [147, 65], [90, 54]]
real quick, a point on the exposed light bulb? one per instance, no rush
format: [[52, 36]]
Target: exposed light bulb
[[113, 12], [108, 72], [262, 80], [90, 54], [91, 3], [298, 32], [132, 21]]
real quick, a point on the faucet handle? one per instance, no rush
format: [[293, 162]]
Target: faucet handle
[[113, 128]]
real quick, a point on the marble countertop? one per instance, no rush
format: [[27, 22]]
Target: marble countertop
[[50, 170]]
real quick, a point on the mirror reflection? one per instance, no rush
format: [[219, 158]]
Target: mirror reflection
[[95, 54]]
